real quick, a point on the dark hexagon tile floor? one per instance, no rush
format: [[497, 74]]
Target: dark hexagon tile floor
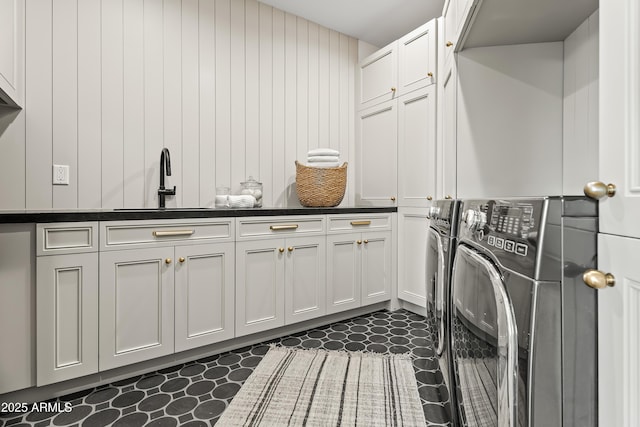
[[197, 393]]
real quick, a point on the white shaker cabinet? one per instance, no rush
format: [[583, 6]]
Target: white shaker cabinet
[[376, 267], [12, 18], [413, 226], [376, 151], [67, 301], [447, 139], [305, 278], [378, 76], [417, 58], [344, 275], [417, 148]]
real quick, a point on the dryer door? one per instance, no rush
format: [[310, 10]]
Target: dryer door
[[435, 275], [484, 343]]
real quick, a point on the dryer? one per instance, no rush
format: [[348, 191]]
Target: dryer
[[441, 244], [518, 313]]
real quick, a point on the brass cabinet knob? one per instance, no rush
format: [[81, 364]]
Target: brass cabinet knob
[[393, 199], [290, 249], [393, 89], [430, 74], [449, 44], [167, 261], [359, 242], [597, 190], [429, 198], [448, 197], [281, 250], [366, 241], [181, 259], [597, 279]]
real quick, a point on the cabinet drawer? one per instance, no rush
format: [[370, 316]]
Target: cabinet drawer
[[347, 223], [131, 234], [67, 237], [251, 228]]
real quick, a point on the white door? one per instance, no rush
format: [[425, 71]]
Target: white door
[[448, 141], [413, 227], [618, 321], [136, 306], [204, 283], [305, 279], [417, 148], [376, 267], [417, 58], [376, 147], [259, 285], [378, 76], [343, 272]]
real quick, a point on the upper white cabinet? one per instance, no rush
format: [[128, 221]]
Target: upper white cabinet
[[11, 52], [417, 58], [447, 139], [379, 76], [458, 16]]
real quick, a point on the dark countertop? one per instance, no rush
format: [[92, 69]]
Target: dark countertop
[[77, 215]]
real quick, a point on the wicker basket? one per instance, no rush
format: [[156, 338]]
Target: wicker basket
[[320, 187]]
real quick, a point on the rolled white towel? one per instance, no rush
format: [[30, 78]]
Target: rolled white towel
[[322, 159], [324, 164], [241, 201], [323, 152]]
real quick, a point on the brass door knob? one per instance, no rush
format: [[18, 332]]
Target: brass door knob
[[596, 279], [448, 197], [167, 261], [366, 241], [430, 74], [429, 198], [393, 89], [597, 190], [393, 199], [359, 242], [181, 259], [281, 250], [449, 44], [290, 249]]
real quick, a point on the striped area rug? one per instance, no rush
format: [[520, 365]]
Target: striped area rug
[[294, 387]]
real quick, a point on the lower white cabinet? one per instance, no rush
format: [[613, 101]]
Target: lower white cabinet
[[279, 281], [359, 269], [413, 227]]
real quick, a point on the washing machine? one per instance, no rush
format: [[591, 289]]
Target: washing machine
[[523, 327], [441, 243]]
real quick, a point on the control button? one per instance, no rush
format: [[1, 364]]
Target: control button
[[499, 242], [480, 235], [521, 249], [509, 246], [491, 240]]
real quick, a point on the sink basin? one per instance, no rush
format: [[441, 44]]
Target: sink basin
[[160, 209]]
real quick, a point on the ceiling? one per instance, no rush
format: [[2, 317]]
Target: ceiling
[[378, 22]]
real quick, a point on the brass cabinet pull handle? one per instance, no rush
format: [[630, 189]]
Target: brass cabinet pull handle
[[448, 197], [393, 89], [366, 241], [167, 261], [393, 199], [290, 249], [430, 74], [281, 250], [173, 233], [359, 242], [429, 198], [283, 227], [449, 44], [597, 190], [363, 222], [597, 279], [181, 259]]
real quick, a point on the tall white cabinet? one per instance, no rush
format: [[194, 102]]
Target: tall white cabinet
[[12, 27]]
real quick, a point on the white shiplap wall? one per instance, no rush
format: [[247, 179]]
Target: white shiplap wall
[[232, 87]]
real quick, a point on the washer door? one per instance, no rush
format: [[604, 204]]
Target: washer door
[[436, 278], [484, 343]]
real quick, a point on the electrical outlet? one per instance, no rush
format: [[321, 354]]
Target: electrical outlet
[[60, 174]]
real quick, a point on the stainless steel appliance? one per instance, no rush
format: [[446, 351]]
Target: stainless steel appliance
[[441, 243], [523, 336]]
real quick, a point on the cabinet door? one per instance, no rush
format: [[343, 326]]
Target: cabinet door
[[305, 279], [377, 152], [67, 317], [417, 58], [11, 51], [259, 285], [417, 148], [378, 76], [450, 28], [344, 272], [413, 226], [136, 306], [447, 158], [204, 292], [376, 267]]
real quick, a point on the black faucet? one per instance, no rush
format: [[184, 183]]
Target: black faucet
[[163, 192]]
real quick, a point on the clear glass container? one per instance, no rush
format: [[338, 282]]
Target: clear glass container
[[222, 197], [253, 188]]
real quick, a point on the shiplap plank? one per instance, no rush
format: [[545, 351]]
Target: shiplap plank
[[343, 99], [266, 103], [172, 27], [223, 92], [153, 98], [279, 110], [291, 109], [190, 105], [207, 99], [252, 90], [89, 168], [112, 105], [238, 90], [302, 90], [350, 197], [334, 90], [65, 99], [323, 87], [133, 69], [314, 88], [39, 123]]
